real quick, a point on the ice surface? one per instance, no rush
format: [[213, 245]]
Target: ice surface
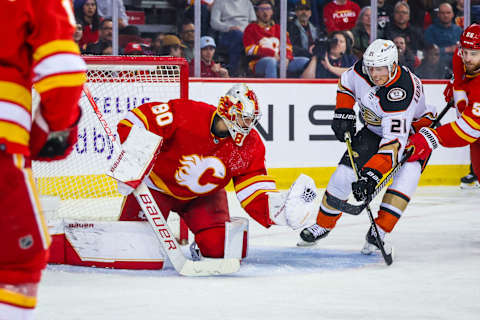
[[435, 275]]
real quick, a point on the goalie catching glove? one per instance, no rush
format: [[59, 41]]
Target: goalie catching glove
[[295, 208], [46, 145]]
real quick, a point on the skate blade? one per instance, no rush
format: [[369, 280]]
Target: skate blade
[[369, 248], [470, 186], [303, 243]]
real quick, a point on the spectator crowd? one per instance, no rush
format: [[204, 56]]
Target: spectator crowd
[[241, 38]]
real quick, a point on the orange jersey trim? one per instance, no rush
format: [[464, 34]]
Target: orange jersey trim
[[13, 132], [249, 199], [459, 132], [158, 182]]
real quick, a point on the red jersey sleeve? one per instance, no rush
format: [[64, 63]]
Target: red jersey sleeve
[[463, 131], [58, 70], [251, 42], [252, 185]]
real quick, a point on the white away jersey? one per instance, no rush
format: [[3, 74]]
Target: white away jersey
[[389, 110]]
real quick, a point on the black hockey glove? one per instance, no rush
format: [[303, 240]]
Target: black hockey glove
[[344, 120], [365, 186]]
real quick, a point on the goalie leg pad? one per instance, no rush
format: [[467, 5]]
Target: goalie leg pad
[[236, 238], [211, 242]]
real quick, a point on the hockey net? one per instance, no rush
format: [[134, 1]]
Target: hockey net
[[77, 187]]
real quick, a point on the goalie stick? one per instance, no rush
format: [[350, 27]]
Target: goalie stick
[[386, 256], [184, 266], [352, 209]]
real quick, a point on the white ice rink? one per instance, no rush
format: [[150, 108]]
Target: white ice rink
[[435, 275]]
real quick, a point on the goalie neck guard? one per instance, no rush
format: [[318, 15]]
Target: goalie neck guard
[[381, 53], [240, 112]]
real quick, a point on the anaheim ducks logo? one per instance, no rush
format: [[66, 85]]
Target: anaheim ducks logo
[[194, 167]]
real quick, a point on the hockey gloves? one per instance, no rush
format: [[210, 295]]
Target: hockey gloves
[[448, 92], [422, 143], [366, 183], [46, 145], [344, 120]]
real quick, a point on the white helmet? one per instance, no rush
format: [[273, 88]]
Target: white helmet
[[239, 110], [381, 53]]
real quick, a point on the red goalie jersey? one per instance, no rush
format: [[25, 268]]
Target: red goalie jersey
[[193, 163]]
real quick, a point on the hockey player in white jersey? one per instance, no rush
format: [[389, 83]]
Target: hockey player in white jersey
[[392, 105]]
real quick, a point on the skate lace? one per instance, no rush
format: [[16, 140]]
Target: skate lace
[[316, 230]]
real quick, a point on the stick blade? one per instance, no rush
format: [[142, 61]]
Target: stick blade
[[210, 267]]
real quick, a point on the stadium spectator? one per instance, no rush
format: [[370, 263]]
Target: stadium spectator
[[431, 67], [384, 15], [333, 60], [208, 67], [86, 14], [104, 38], [172, 46], [128, 34], [261, 41], [400, 26], [230, 18], [105, 10], [77, 36], [133, 49], [302, 32], [458, 13], [155, 46], [405, 55], [340, 15], [205, 14], [361, 32], [187, 33], [444, 33]]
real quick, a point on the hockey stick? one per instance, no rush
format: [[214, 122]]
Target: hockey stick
[[352, 209], [184, 266], [387, 257]]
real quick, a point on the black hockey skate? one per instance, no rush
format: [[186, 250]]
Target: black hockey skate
[[470, 181], [371, 245], [310, 235]]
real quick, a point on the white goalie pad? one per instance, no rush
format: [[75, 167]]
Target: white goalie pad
[[300, 204], [236, 238], [136, 157]]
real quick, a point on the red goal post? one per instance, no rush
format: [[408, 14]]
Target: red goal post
[[77, 187]]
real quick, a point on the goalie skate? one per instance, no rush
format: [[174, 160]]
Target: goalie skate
[[371, 245], [470, 181], [310, 235]]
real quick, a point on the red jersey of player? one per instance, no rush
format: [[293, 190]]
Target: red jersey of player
[[204, 148], [41, 53], [340, 15], [465, 130]]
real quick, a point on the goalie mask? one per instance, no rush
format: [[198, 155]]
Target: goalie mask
[[381, 53], [239, 110]]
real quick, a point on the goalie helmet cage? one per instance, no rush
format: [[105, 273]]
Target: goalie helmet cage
[[77, 187]]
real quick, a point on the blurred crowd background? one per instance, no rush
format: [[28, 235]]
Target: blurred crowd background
[[241, 38]]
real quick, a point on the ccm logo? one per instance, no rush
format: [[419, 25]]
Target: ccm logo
[[161, 229]]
